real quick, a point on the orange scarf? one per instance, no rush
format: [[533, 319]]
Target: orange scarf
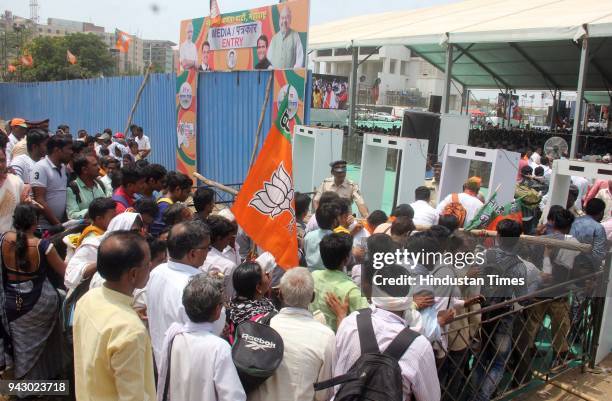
[[88, 230]]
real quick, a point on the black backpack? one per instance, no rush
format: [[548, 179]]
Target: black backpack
[[375, 376], [257, 351]]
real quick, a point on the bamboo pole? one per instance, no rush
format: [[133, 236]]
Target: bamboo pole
[[261, 118], [137, 100], [215, 184], [565, 387]]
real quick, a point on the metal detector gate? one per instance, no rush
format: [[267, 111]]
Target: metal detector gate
[[411, 168], [560, 180], [313, 149], [456, 168]]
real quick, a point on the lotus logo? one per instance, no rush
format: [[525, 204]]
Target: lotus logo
[[256, 343], [284, 121], [276, 196]]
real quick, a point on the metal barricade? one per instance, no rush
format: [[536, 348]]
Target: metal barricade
[[495, 351]]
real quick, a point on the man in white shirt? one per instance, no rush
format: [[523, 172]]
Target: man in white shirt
[[201, 366], [144, 144], [309, 345], [37, 148], [468, 199], [222, 234], [583, 187], [534, 160], [188, 244], [18, 131], [424, 214], [418, 364]]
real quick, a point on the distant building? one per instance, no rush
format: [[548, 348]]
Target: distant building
[[159, 53], [132, 62], [405, 79], [127, 63]]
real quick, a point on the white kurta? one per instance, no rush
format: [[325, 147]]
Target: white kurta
[[201, 367], [471, 204], [164, 297], [307, 359], [217, 261], [424, 214]]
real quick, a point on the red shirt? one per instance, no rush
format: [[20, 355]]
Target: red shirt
[[522, 163], [120, 197]]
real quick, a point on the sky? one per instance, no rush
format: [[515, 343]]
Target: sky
[[159, 19]]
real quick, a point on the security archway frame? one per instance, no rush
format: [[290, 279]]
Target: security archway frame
[[313, 149], [413, 160], [560, 181], [456, 166]]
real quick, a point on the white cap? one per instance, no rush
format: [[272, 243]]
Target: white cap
[[227, 213], [267, 262]]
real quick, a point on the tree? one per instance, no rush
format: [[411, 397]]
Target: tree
[[11, 41], [50, 63]]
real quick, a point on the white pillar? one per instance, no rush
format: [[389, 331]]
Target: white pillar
[[447, 79], [353, 91], [582, 75]]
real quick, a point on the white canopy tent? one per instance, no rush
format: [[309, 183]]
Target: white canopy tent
[[494, 44]]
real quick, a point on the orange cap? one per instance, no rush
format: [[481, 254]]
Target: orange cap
[[18, 122]]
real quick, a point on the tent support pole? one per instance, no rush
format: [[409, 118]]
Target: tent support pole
[[553, 112], [447, 79], [353, 92], [582, 75]]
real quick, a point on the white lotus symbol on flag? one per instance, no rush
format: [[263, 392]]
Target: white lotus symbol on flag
[[276, 195]]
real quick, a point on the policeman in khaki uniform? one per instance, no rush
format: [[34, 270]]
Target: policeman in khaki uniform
[[342, 186]]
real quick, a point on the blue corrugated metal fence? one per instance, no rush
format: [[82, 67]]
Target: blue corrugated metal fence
[[228, 113]]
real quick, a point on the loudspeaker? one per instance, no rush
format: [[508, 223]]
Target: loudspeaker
[[422, 125], [435, 104]]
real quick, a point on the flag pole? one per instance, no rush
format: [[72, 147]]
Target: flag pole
[[215, 184], [137, 100], [261, 118]]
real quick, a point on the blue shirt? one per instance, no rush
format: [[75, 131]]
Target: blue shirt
[[311, 248], [588, 231]]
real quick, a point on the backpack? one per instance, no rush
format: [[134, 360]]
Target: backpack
[[77, 192], [455, 208], [257, 351], [375, 375]]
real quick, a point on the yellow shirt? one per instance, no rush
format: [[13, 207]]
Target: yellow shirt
[[113, 359]]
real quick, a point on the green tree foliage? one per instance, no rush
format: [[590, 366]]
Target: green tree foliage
[[50, 62]]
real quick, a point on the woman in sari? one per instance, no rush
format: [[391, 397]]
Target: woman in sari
[[32, 342], [251, 284]]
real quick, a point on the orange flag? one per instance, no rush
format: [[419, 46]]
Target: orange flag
[[27, 60], [70, 57], [12, 68], [123, 41], [215, 13], [264, 207]]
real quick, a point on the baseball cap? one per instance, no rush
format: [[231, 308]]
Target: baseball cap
[[105, 137], [18, 122], [118, 135]]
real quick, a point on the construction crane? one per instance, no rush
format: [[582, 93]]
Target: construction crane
[[34, 10]]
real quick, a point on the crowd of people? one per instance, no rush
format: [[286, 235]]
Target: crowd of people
[[125, 279], [518, 140]]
